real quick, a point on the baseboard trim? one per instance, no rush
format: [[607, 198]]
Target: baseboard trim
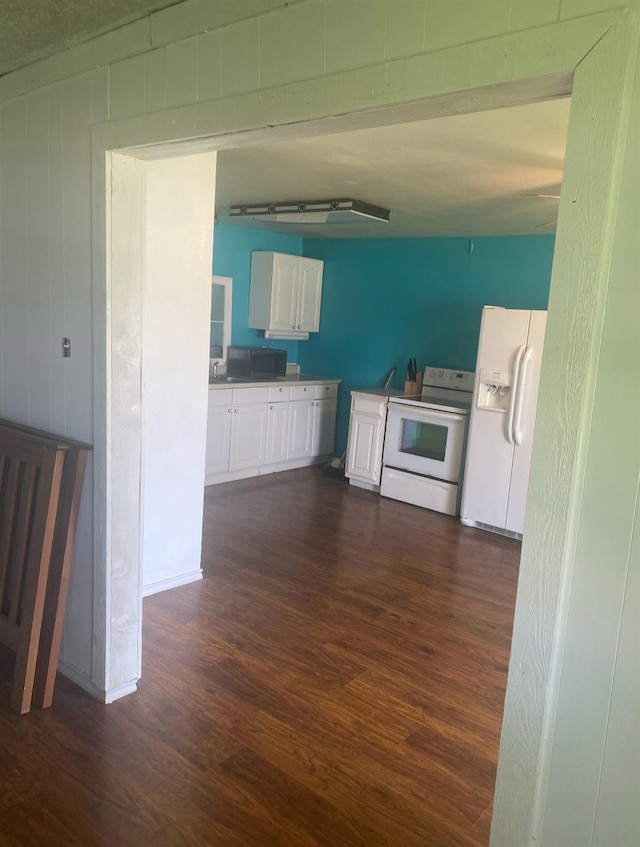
[[275, 467], [172, 582], [118, 693], [82, 681], [368, 486]]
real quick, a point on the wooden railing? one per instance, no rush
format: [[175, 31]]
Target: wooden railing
[[41, 479]]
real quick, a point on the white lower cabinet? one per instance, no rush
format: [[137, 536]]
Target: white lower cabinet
[[366, 439], [236, 430], [300, 429], [323, 427], [248, 436], [278, 415], [218, 432], [255, 430], [312, 424], [300, 421]]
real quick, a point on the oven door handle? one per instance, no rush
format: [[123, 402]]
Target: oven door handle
[[421, 414]]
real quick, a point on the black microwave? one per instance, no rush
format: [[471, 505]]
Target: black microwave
[[256, 362]]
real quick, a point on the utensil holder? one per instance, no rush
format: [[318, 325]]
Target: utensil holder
[[413, 386]]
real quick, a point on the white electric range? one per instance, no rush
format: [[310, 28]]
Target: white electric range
[[425, 440]]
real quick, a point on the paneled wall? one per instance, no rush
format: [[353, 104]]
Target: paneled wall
[[46, 292], [201, 69]]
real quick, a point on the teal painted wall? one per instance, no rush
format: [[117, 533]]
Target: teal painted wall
[[232, 246], [384, 300]]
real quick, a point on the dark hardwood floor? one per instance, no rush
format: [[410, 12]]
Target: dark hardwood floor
[[337, 679]]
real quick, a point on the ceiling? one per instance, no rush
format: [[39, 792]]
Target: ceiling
[[33, 29], [455, 176]]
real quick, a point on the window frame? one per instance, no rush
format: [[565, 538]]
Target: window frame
[[227, 283]]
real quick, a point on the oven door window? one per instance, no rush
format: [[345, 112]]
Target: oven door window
[[424, 439]]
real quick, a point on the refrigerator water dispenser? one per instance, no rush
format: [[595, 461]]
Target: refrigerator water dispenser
[[494, 390]]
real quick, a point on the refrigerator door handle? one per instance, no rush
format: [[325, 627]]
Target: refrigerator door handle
[[522, 382], [515, 379]]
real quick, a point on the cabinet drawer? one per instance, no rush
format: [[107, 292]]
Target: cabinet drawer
[[326, 392], [280, 394], [220, 396], [368, 406], [254, 394], [302, 392]]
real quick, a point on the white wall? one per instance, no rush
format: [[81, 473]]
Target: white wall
[[46, 293], [178, 238]]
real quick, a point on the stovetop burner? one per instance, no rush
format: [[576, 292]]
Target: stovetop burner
[[443, 389]]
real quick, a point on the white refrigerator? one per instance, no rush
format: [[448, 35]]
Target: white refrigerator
[[503, 414]]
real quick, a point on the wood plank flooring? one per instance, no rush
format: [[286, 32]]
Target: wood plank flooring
[[337, 679]]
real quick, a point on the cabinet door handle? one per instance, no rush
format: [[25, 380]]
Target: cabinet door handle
[[229, 410], [235, 411], [271, 407]]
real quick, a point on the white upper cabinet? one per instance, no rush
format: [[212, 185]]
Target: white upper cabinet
[[309, 294], [285, 294], [274, 285]]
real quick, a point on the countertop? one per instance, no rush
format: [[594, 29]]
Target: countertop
[[287, 379], [378, 392]]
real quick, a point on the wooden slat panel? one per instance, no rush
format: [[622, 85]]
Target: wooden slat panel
[[59, 574], [7, 511], [43, 437], [40, 485], [9, 633], [41, 542], [15, 445], [18, 562]]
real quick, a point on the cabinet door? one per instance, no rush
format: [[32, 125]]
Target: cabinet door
[[324, 427], [218, 439], [309, 295], [284, 292], [277, 433], [248, 433], [364, 450], [300, 429]]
